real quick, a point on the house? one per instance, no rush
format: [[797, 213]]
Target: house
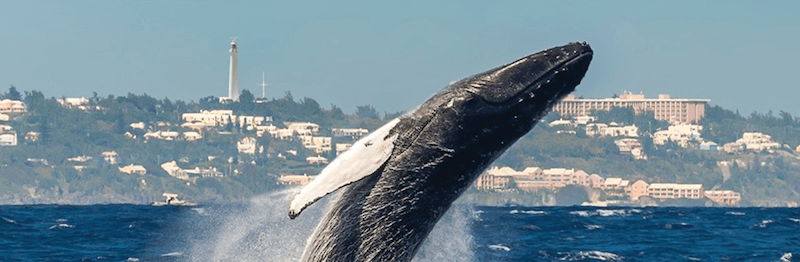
[[723, 197], [637, 189], [494, 182], [110, 157], [708, 145], [32, 136], [70, 102], [138, 125], [8, 138], [631, 146], [295, 179], [560, 122], [192, 136], [247, 146], [79, 159], [316, 160], [596, 181], [579, 178], [4, 117], [303, 128], [12, 106], [210, 118], [133, 169], [162, 135], [320, 144], [355, 133], [757, 141]]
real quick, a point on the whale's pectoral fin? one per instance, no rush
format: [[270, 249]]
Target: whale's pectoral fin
[[362, 159]]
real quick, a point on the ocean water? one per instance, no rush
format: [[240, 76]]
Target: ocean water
[[260, 231]]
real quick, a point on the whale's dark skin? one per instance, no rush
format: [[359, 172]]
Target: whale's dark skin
[[438, 151]]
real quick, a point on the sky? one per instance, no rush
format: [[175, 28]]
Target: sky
[[742, 55]]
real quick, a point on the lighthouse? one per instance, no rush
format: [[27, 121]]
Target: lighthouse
[[233, 78]]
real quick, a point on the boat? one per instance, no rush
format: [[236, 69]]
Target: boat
[[172, 200]]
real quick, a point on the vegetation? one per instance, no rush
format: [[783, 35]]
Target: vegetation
[[39, 169]]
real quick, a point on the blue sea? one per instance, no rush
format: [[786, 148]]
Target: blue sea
[[259, 230]]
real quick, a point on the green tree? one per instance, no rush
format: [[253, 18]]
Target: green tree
[[367, 111], [13, 94]]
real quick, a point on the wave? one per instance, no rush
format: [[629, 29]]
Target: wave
[[499, 247], [589, 255], [735, 213], [529, 212], [605, 212], [62, 225]]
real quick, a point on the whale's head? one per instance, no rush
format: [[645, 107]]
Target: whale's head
[[522, 91]]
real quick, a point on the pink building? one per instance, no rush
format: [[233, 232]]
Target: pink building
[[637, 189], [664, 108], [723, 197]]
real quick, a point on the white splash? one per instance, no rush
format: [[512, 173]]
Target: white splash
[[262, 231]]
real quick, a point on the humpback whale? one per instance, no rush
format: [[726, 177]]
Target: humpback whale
[[398, 181]]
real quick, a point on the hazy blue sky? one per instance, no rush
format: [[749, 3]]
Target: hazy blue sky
[[741, 55]]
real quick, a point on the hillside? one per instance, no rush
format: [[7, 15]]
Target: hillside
[[59, 156]]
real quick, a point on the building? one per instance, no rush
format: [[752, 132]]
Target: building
[[71, 102], [110, 157], [192, 136], [4, 117], [8, 138], [12, 106], [317, 160], [664, 107], [679, 133], [663, 191], [247, 146], [295, 179], [757, 141], [355, 133], [209, 118], [723, 197], [637, 189], [133, 169], [611, 130]]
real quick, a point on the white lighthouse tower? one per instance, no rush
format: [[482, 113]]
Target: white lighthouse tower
[[233, 78]]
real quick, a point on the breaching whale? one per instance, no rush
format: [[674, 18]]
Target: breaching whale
[[397, 182]]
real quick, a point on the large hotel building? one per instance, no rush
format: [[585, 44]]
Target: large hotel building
[[664, 108]]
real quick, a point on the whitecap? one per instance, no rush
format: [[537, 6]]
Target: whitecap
[[597, 255], [786, 257], [62, 225], [529, 212], [61, 220], [764, 223], [735, 213], [593, 227], [500, 247], [199, 210], [794, 220], [132, 259], [613, 212], [9, 220], [582, 213], [172, 254]]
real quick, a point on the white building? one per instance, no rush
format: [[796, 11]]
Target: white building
[[611, 130], [247, 146], [110, 157], [12, 106], [133, 169], [70, 102], [351, 132], [8, 139], [680, 133], [757, 141]]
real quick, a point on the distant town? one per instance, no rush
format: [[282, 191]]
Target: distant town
[[64, 147]]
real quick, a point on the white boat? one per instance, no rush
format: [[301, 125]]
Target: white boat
[[172, 200]]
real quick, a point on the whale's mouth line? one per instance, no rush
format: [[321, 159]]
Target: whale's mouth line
[[529, 92]]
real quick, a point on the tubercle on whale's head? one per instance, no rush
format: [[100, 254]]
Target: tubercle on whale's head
[[540, 78]]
